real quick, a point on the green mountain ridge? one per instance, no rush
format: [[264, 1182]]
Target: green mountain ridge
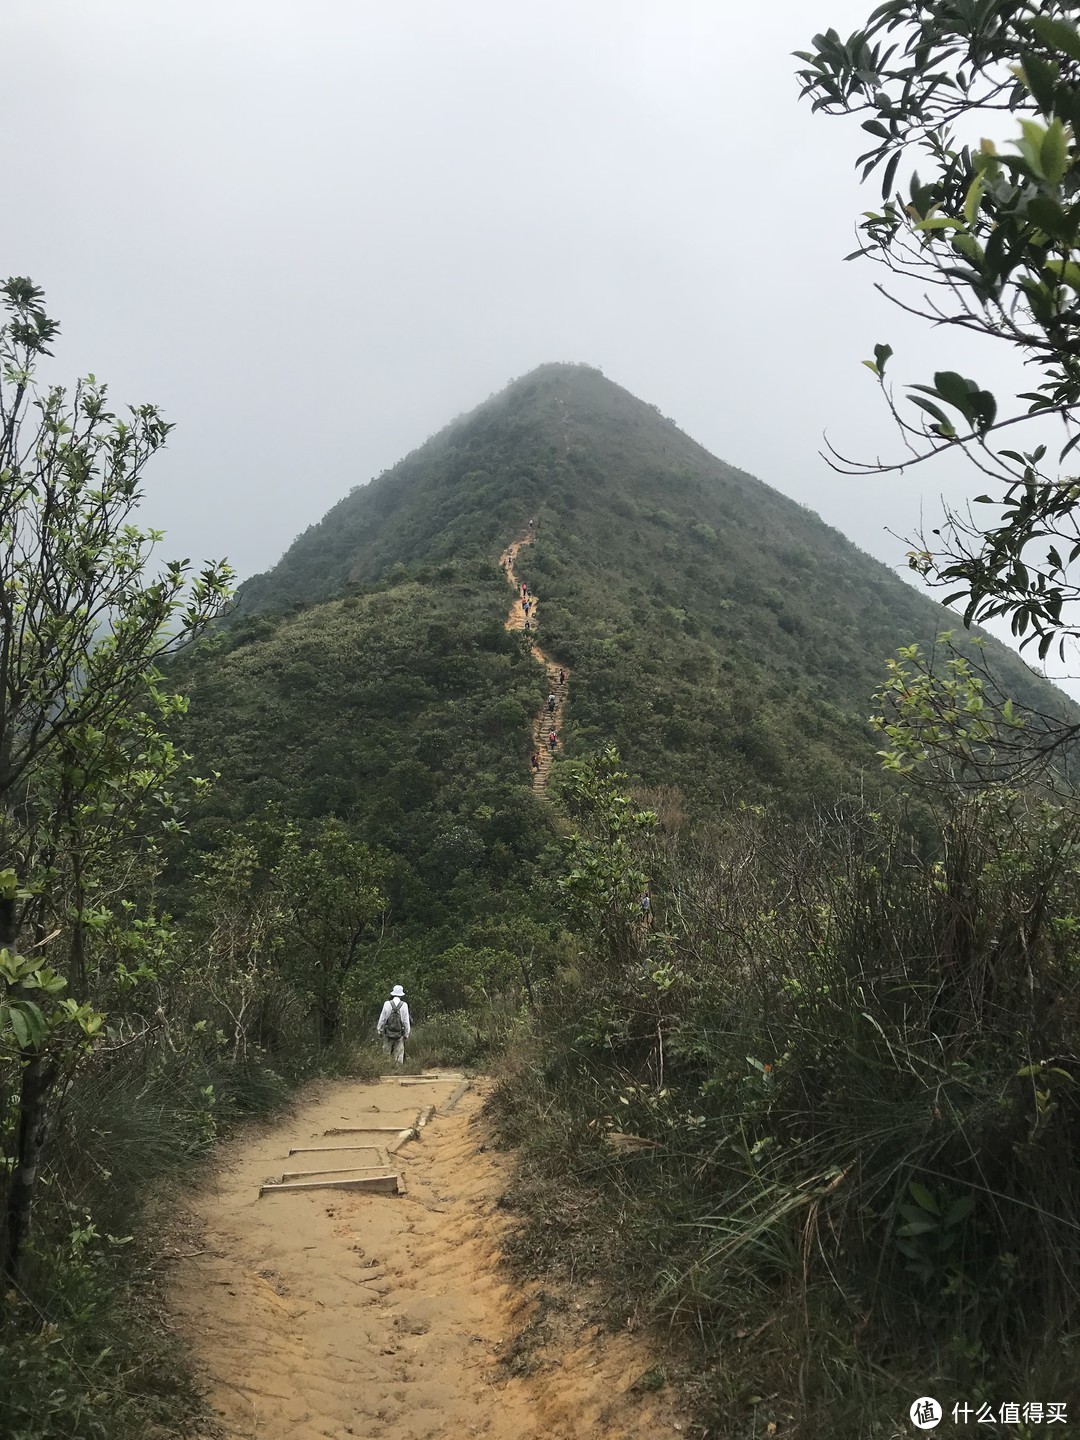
[[725, 637]]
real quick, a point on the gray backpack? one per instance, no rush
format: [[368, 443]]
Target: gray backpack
[[394, 1029]]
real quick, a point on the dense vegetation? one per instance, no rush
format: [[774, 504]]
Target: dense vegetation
[[327, 791], [180, 949], [848, 1100], [405, 713], [820, 1119]]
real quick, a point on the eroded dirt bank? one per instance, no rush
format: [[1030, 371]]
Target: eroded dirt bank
[[385, 1317]]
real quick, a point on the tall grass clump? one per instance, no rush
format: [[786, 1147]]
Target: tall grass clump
[[85, 1348], [821, 1116]]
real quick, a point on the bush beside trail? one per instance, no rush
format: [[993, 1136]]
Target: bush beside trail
[[822, 1121]]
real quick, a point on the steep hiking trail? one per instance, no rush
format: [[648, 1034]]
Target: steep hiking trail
[[545, 720], [382, 1312], [341, 1270]]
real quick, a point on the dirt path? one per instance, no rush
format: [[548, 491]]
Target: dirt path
[[544, 721], [385, 1317]]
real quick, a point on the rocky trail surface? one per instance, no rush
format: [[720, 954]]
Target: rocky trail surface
[[337, 1313], [545, 721]]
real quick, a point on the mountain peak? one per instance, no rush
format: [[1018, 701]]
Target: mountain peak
[[466, 488], [630, 510]]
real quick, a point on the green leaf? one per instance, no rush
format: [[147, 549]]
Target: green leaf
[[39, 1026], [1041, 76], [931, 409], [889, 176], [940, 222], [923, 1198], [972, 199], [1049, 216], [882, 354], [20, 1026], [954, 389], [917, 1227], [985, 409], [959, 1210], [1057, 35], [1054, 153]]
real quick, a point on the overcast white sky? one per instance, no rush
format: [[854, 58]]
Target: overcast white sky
[[316, 230]]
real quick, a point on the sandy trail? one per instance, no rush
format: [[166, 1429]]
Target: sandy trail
[[334, 1314], [544, 722]]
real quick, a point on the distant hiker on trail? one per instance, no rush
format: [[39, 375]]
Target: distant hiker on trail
[[553, 740], [535, 762], [525, 607], [562, 677], [394, 1024], [645, 906], [551, 704], [527, 625]]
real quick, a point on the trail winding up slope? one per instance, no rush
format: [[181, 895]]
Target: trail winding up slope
[[545, 721]]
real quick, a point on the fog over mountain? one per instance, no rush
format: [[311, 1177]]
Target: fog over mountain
[[314, 233]]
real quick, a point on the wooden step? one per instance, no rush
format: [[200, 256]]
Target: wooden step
[[377, 1150], [376, 1184], [287, 1175], [363, 1130]]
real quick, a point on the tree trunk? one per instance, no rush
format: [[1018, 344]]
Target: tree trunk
[[78, 930], [9, 924], [329, 1022], [38, 1076], [525, 976], [36, 1080]]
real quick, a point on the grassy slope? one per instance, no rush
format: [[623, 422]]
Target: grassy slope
[[405, 713]]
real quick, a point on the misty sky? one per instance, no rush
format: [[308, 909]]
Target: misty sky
[[314, 231]]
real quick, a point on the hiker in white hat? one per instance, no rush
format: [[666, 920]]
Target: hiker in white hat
[[394, 1024]]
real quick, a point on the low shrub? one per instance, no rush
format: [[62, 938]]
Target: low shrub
[[461, 1037]]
